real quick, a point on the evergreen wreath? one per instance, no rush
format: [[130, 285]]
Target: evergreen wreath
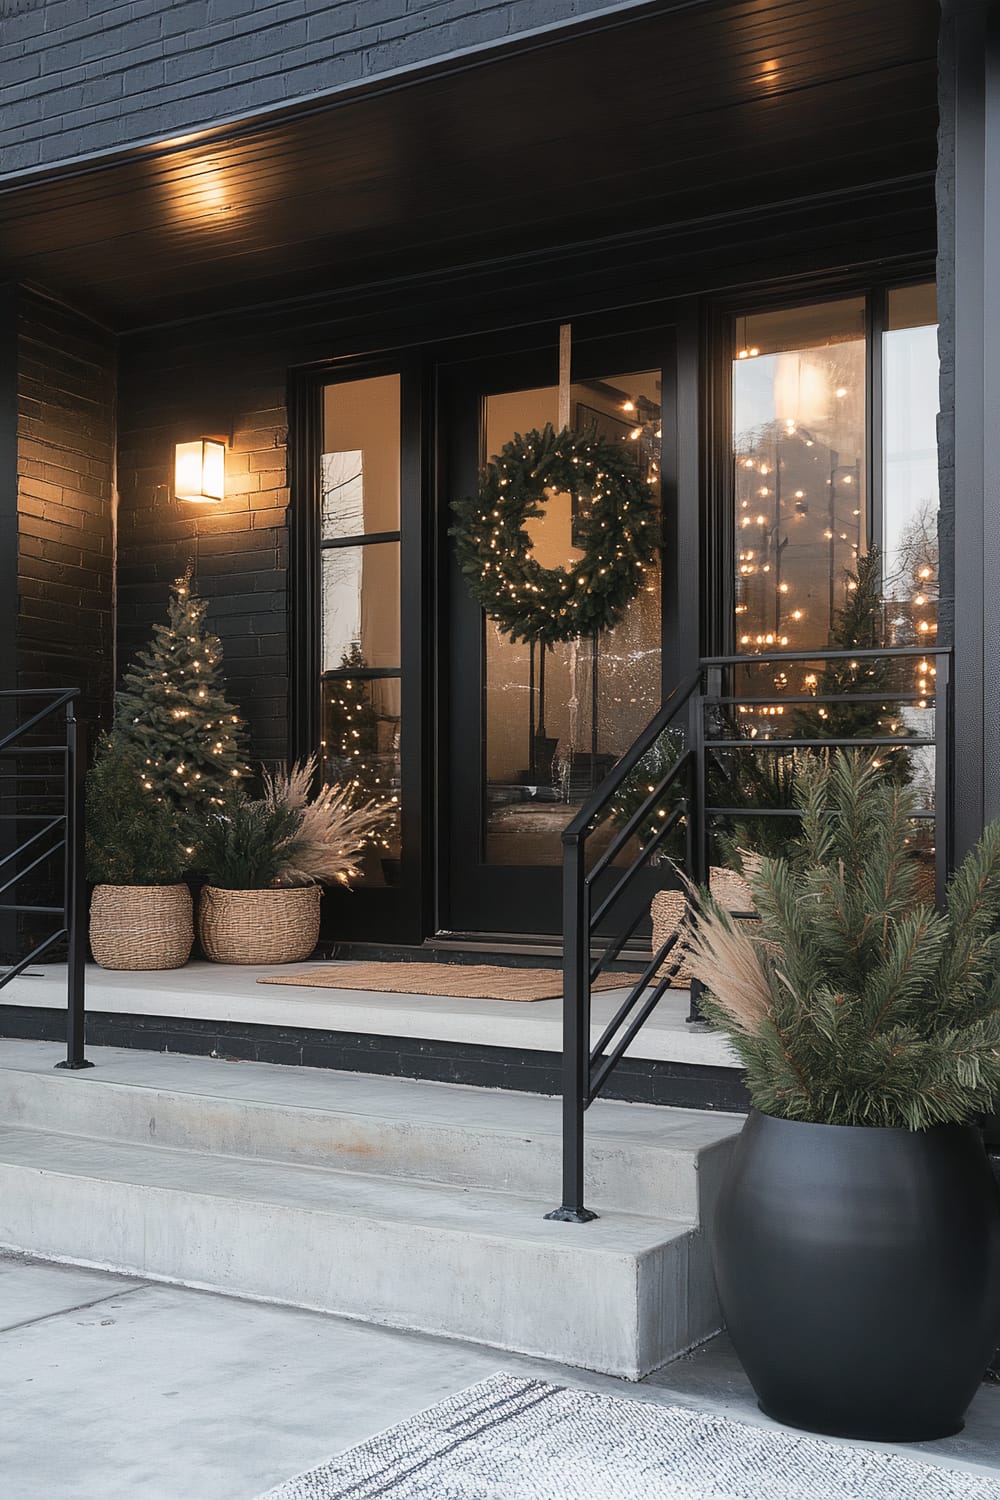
[[620, 535]]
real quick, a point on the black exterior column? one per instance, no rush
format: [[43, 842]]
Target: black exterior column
[[969, 289], [8, 487], [8, 570]]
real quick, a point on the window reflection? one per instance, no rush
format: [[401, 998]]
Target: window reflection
[[910, 466], [557, 720], [360, 463], [799, 438], [361, 604], [911, 576], [360, 601], [361, 734], [805, 577]]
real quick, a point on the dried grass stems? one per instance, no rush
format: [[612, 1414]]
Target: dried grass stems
[[332, 832], [727, 961]]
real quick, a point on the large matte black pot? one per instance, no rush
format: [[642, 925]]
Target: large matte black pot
[[859, 1274]]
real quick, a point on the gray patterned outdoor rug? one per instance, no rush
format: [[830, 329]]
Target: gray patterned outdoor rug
[[511, 1439]]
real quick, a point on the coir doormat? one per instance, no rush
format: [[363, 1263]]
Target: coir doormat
[[463, 981], [511, 1439]]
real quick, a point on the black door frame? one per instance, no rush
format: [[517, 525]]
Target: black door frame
[[527, 898], [415, 911], [401, 913]]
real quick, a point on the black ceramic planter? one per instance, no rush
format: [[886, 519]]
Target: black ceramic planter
[[859, 1274]]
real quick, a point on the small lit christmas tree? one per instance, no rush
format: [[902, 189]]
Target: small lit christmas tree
[[351, 749], [860, 626], [173, 710]]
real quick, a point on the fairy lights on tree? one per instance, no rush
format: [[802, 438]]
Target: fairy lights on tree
[[174, 711], [804, 575], [351, 745]]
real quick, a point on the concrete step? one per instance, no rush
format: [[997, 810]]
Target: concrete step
[[621, 1295], [640, 1158]]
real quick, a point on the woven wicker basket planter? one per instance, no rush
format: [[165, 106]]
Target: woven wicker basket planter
[[259, 927], [141, 926], [728, 888]]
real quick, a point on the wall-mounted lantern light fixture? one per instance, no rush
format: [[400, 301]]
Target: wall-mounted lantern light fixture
[[200, 470]]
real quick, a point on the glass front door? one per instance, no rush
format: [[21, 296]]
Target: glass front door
[[534, 730]]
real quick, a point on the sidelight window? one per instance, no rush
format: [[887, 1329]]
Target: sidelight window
[[360, 600]]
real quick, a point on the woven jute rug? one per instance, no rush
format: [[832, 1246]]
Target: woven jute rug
[[464, 981], [511, 1439]]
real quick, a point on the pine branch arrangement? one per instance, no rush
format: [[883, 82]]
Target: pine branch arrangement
[[246, 845], [853, 1004], [289, 837], [174, 711]]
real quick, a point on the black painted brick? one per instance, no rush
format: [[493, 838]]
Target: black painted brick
[[66, 402], [89, 79], [240, 565]]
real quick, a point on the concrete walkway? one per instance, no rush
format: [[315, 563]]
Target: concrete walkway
[[114, 1389]]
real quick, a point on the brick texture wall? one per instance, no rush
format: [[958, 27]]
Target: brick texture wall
[[79, 77], [65, 474], [239, 548]]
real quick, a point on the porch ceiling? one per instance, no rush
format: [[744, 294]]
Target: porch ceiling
[[679, 112]]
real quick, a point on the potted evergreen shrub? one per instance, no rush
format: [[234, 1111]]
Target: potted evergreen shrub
[[857, 1236], [140, 911], [265, 862]]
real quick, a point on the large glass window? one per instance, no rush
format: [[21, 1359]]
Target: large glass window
[[360, 655], [806, 431], [910, 466], [799, 444], [804, 511]]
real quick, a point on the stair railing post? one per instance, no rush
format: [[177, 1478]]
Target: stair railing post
[[74, 897], [698, 844], [943, 721], [576, 1032]]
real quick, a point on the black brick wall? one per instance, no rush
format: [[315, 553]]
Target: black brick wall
[[65, 475], [79, 77], [240, 547]]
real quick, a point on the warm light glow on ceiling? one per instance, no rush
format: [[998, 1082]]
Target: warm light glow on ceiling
[[770, 72], [203, 192]]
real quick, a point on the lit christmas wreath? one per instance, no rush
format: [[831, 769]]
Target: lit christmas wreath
[[617, 526]]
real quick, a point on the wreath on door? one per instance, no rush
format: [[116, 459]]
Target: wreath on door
[[618, 531]]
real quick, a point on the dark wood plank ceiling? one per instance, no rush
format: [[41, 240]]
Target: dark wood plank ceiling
[[675, 116]]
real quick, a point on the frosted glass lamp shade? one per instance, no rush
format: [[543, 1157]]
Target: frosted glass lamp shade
[[200, 470]]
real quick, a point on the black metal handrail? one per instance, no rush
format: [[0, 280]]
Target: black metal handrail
[[580, 1085], [586, 1069], [66, 829]]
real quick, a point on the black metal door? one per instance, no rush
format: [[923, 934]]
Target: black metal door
[[527, 733]]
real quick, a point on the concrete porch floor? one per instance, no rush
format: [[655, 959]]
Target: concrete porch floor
[[231, 993], [117, 1389]]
